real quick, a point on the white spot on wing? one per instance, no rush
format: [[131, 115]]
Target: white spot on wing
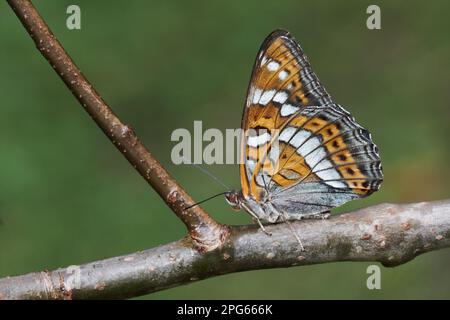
[[274, 152], [256, 96], [266, 97], [280, 97], [255, 141], [326, 171], [251, 164], [336, 184], [273, 66], [324, 164], [283, 74], [299, 139], [315, 156], [288, 109], [262, 180], [311, 149], [286, 134], [329, 174]]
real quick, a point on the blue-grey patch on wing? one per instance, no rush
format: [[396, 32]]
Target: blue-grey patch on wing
[[310, 198]]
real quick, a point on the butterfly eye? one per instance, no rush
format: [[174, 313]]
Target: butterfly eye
[[232, 198]]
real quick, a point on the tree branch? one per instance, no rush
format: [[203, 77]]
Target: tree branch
[[387, 233], [206, 233], [390, 234]]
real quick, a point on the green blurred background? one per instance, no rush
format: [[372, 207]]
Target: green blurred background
[[68, 197]]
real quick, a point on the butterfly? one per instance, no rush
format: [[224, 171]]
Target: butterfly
[[301, 153]]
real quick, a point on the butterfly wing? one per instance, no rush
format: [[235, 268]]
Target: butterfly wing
[[302, 149], [281, 73], [342, 163]]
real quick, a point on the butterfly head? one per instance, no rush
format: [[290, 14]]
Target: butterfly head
[[233, 198]]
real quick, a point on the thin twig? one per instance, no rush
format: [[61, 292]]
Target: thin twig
[[206, 233], [387, 233]]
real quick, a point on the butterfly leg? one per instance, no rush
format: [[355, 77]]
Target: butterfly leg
[[285, 218], [255, 217], [258, 221], [297, 237], [262, 227]]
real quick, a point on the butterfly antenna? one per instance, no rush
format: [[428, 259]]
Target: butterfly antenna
[[196, 204], [205, 171]]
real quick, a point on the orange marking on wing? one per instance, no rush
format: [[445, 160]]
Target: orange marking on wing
[[348, 170], [262, 116], [351, 171], [242, 170], [256, 154], [265, 78], [329, 131], [282, 181], [359, 186], [293, 68], [286, 177], [298, 121], [244, 181], [255, 190], [268, 166], [274, 47], [290, 164], [336, 144], [300, 97], [290, 159], [269, 117], [342, 157], [279, 52], [331, 134], [314, 124]]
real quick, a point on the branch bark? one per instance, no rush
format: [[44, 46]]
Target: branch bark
[[206, 233], [387, 233]]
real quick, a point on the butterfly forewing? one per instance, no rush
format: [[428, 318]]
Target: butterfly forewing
[[298, 141]]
